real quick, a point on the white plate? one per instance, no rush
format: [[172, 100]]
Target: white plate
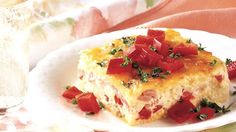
[[58, 69]]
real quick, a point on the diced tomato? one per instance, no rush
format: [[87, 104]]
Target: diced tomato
[[145, 113], [157, 45], [144, 56], [219, 78], [231, 67], [87, 102], [171, 65], [164, 49], [157, 34], [118, 100], [181, 111], [71, 92], [187, 95], [114, 67], [205, 113], [145, 40], [157, 108], [185, 50]]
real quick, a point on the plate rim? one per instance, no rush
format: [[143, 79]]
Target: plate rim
[[196, 126]]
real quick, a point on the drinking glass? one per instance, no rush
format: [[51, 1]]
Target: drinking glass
[[14, 61]]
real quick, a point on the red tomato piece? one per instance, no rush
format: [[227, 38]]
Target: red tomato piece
[[164, 49], [185, 50], [145, 40], [205, 113], [181, 111], [187, 95], [114, 66], [71, 92], [118, 100], [144, 56], [157, 34], [87, 102], [219, 78], [171, 65], [157, 108], [231, 67], [145, 113]]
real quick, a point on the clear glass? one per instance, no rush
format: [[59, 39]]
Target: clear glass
[[14, 61]]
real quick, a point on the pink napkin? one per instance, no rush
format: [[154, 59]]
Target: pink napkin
[[216, 16]]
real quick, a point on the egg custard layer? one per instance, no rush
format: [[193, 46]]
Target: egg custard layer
[[138, 78]]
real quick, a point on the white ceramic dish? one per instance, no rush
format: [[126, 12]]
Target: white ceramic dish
[[49, 78]]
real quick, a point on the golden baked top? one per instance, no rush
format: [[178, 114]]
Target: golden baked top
[[166, 59]]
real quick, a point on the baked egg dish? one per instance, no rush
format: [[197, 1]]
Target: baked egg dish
[[139, 78]]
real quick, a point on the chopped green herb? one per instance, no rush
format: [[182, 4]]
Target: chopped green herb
[[115, 50], [74, 101], [128, 40], [228, 61], [213, 63], [227, 109], [189, 40], [156, 72], [202, 117], [143, 75], [128, 84], [197, 109], [217, 108], [173, 55], [127, 60], [153, 49], [135, 65], [68, 87], [170, 50], [163, 76], [200, 48], [90, 113], [101, 105], [102, 63]]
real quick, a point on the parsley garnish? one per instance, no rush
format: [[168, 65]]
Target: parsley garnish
[[173, 55], [170, 50], [228, 61], [127, 60], [153, 49], [213, 62], [68, 87], [143, 75], [189, 41], [101, 105], [202, 117], [163, 76], [200, 48], [128, 40], [217, 108], [156, 72], [102, 63], [74, 101], [128, 84], [115, 50], [135, 65]]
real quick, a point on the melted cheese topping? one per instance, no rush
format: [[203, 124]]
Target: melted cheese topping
[[194, 65]]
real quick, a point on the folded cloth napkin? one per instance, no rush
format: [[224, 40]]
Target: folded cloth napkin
[[210, 15]]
